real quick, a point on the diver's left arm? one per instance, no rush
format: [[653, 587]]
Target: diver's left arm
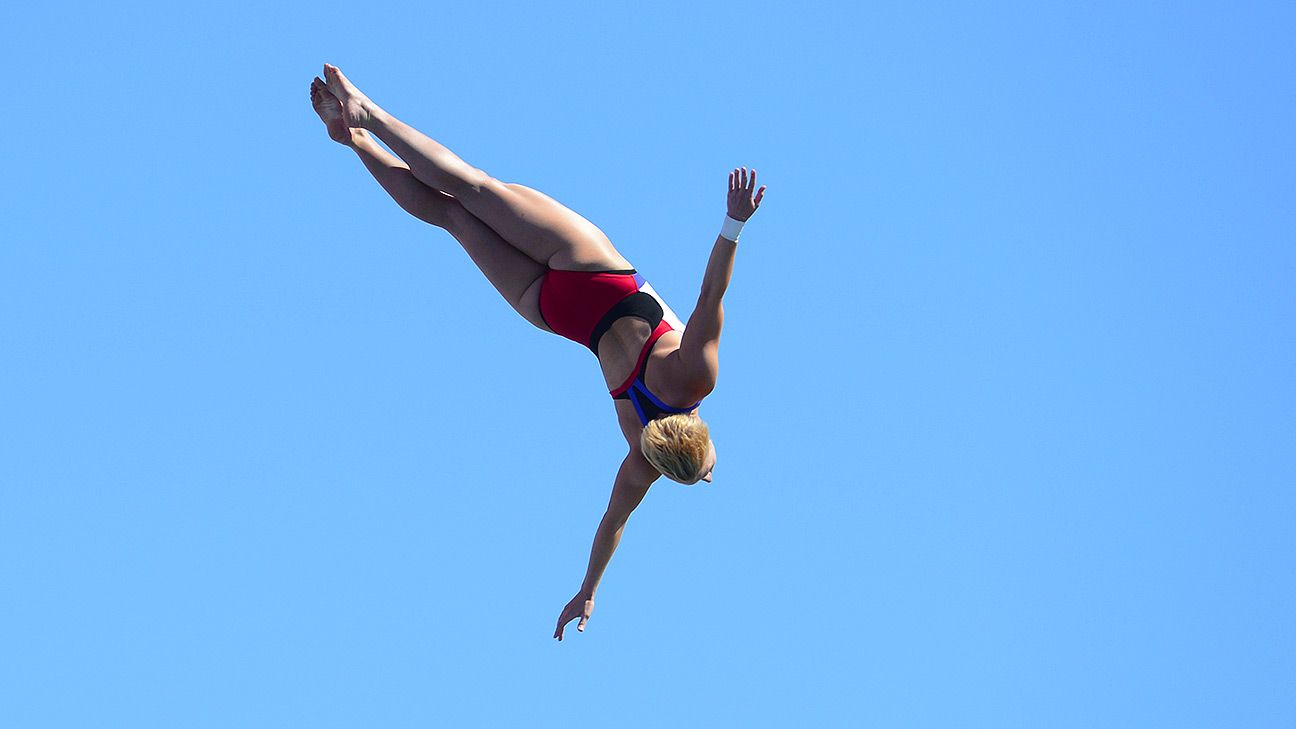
[[700, 347], [632, 482]]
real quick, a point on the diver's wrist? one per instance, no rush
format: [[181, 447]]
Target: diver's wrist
[[731, 228]]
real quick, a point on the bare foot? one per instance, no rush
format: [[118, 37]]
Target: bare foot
[[330, 112], [357, 109]]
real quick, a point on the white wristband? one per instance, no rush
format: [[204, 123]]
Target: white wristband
[[731, 229]]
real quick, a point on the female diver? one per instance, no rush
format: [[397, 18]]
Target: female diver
[[562, 274]]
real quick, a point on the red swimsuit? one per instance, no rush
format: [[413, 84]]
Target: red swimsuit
[[583, 305], [573, 302]]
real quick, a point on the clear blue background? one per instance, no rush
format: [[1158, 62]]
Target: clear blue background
[[1006, 421]]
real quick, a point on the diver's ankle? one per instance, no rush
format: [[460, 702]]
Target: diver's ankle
[[357, 136]]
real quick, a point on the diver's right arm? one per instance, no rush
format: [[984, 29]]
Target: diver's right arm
[[632, 482], [699, 350]]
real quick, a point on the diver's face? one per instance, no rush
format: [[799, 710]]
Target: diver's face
[[710, 464]]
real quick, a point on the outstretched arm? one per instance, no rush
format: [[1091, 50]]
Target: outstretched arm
[[700, 348], [632, 482]]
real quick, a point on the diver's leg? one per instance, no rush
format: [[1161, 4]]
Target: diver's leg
[[514, 274], [536, 224], [430, 206]]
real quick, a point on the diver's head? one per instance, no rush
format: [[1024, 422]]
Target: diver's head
[[680, 447]]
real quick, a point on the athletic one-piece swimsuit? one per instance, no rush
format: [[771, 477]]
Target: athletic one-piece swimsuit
[[583, 305]]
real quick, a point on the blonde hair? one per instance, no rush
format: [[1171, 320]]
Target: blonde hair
[[676, 445]]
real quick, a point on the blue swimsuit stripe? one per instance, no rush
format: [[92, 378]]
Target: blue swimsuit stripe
[[639, 388]]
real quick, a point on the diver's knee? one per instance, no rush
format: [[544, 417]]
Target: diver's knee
[[473, 182]]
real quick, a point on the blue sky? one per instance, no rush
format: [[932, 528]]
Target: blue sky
[[1005, 419]]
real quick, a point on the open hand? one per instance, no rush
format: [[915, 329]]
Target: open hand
[[580, 607], [742, 204]]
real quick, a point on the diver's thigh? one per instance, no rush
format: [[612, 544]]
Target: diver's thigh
[[513, 274], [572, 241]]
